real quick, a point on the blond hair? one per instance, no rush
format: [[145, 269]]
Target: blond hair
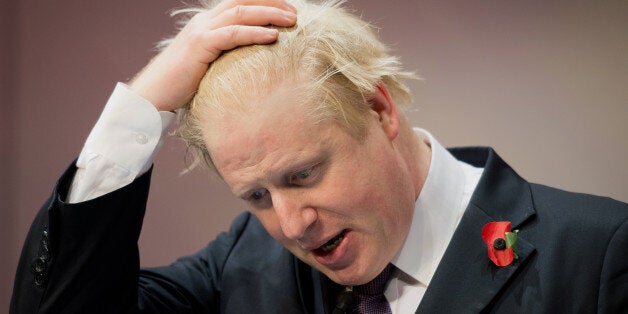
[[335, 57]]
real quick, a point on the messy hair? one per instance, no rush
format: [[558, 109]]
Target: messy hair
[[335, 58]]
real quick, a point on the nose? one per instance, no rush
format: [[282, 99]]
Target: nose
[[293, 213]]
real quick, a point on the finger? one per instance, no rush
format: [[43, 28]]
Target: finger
[[229, 37], [279, 4], [253, 15]]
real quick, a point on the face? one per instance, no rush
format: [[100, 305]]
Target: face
[[340, 204]]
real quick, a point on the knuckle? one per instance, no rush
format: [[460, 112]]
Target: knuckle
[[197, 20], [194, 30], [196, 35], [239, 11], [233, 32]]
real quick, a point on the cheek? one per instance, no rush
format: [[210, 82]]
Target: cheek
[[350, 190], [376, 202]]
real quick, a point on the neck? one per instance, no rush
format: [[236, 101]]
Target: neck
[[416, 151]]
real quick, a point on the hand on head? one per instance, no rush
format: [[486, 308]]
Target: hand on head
[[171, 78]]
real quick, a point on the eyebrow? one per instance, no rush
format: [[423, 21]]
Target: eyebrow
[[283, 174]]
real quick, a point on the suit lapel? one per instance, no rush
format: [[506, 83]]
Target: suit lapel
[[466, 280]]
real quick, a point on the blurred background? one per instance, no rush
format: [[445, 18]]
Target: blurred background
[[543, 82]]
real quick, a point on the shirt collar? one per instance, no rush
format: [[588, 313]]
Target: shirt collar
[[437, 211]]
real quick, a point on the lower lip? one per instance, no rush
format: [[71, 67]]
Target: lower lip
[[334, 259]]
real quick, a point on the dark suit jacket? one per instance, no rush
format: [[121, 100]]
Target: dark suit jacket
[[83, 258]]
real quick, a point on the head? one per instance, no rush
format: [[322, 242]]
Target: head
[[307, 131]]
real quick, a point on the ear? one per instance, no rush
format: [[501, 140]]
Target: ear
[[383, 106]]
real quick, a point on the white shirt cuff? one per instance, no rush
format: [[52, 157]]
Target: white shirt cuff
[[121, 146]]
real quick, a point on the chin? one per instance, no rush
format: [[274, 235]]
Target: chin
[[348, 277]]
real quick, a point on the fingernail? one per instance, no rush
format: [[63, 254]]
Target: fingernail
[[289, 15], [271, 32]]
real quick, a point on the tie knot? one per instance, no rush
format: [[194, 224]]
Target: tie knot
[[377, 285], [367, 298]]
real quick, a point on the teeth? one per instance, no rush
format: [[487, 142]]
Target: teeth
[[332, 244]]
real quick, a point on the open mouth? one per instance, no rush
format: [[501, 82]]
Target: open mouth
[[331, 244]]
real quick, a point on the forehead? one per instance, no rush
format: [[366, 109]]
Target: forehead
[[271, 133], [254, 117]]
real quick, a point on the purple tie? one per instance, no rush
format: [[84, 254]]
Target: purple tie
[[370, 297]]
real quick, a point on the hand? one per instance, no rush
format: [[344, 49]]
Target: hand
[[171, 78]]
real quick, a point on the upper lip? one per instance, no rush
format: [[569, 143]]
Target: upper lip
[[313, 245]]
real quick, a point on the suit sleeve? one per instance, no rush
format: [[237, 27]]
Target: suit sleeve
[[192, 284], [614, 278], [83, 258]]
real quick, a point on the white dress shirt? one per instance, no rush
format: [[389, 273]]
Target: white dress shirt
[[130, 131], [437, 212]]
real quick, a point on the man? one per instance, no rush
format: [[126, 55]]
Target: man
[[342, 190]]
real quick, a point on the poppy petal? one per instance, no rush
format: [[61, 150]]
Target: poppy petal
[[491, 232]]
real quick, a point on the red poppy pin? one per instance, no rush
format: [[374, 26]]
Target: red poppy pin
[[501, 242]]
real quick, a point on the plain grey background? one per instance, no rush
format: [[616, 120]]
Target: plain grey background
[[543, 82]]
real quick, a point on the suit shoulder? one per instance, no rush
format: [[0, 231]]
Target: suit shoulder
[[253, 240], [246, 233], [258, 269], [573, 207], [248, 226]]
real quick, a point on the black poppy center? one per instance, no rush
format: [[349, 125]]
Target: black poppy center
[[499, 244]]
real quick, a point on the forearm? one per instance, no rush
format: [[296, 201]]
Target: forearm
[[84, 238], [92, 262]]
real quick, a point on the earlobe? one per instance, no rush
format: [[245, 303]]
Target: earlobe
[[386, 111]]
